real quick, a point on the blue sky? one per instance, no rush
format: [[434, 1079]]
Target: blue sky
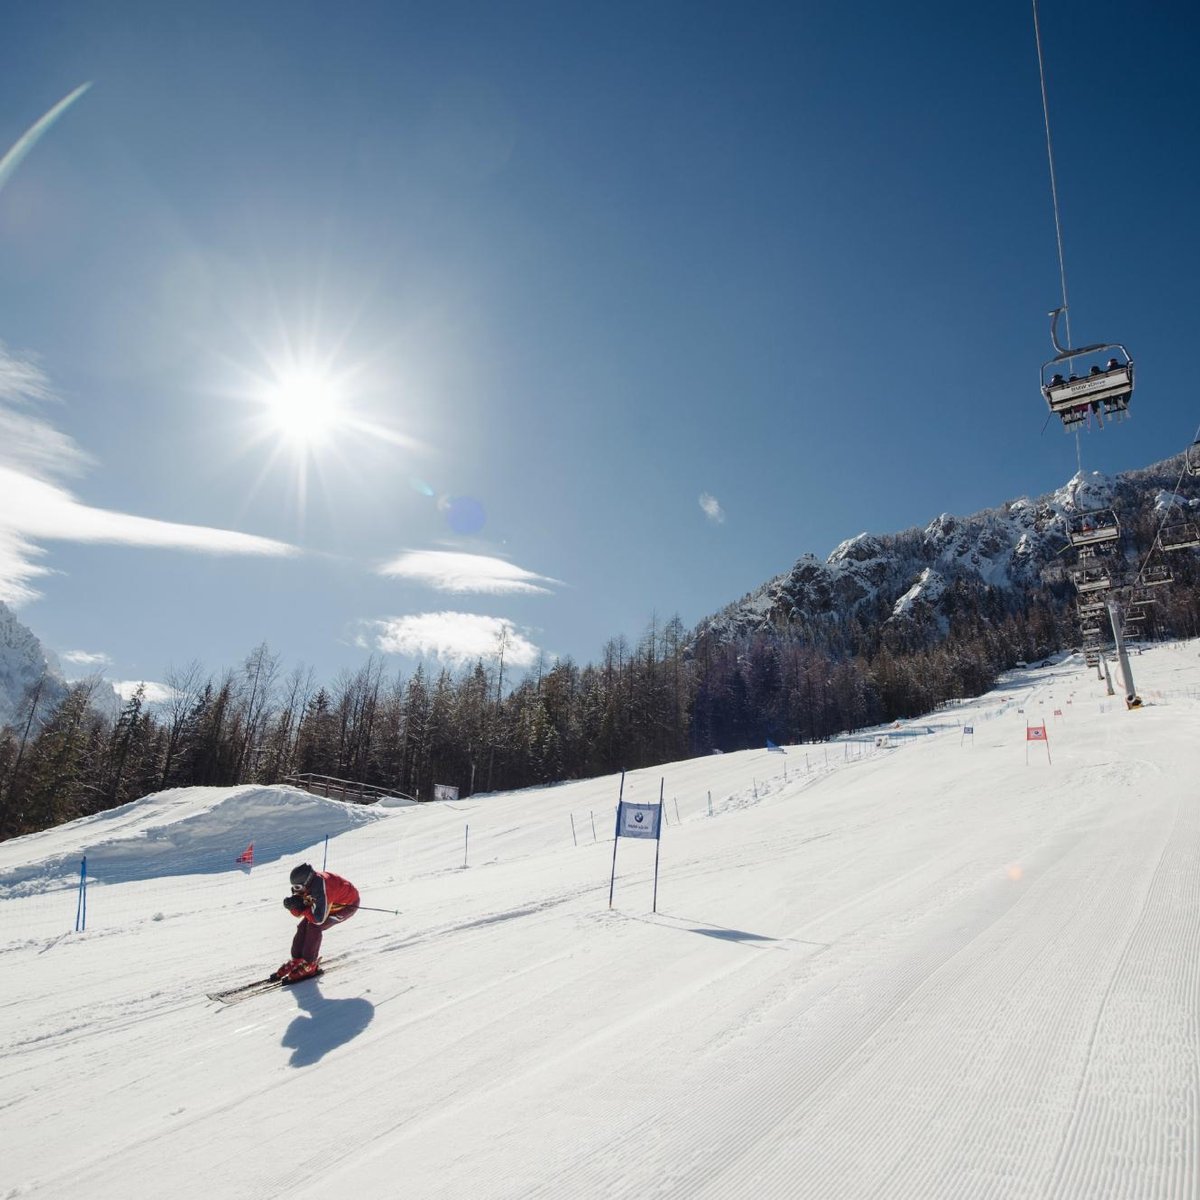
[[622, 307]]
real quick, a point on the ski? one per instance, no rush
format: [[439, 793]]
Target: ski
[[246, 990], [256, 987]]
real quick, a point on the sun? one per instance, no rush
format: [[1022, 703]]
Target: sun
[[305, 406]]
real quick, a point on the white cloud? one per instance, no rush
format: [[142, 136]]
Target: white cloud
[[27, 443], [86, 658], [450, 571], [33, 507], [712, 508], [153, 693], [458, 638], [29, 139]]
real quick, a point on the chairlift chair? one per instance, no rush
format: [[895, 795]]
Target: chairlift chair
[[1156, 576], [1135, 614], [1180, 536], [1192, 458], [1091, 579], [1090, 529], [1089, 608], [1072, 397]]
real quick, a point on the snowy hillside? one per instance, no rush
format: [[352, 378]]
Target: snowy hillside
[[927, 963]]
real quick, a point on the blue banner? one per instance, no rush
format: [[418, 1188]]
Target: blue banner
[[639, 820]]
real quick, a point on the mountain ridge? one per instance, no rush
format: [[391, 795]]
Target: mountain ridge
[[1016, 548]]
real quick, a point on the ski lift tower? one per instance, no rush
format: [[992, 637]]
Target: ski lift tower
[[1117, 619]]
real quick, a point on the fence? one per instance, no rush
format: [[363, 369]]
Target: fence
[[412, 842], [348, 790]]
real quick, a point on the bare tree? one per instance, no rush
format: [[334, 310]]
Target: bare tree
[[184, 685]]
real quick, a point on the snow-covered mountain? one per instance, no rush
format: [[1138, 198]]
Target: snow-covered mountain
[[24, 661], [914, 575]]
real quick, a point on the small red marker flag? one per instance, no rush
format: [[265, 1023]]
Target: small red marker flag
[[246, 856]]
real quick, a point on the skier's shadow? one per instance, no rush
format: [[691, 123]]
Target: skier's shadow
[[323, 1024]]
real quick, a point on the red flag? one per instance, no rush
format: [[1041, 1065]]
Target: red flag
[[1035, 733], [246, 856]]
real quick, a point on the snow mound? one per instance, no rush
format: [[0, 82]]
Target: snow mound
[[184, 831]]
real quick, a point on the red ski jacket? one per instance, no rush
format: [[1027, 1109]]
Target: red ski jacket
[[328, 893]]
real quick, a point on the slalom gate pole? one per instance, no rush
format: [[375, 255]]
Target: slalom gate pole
[[325, 860], [658, 842], [81, 903], [612, 882]]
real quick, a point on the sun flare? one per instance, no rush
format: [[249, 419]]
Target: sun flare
[[306, 407]]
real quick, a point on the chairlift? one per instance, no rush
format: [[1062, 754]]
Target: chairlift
[[1090, 608], [1091, 579], [1156, 576], [1135, 614], [1140, 597], [1192, 458], [1180, 536], [1090, 529], [1090, 631], [1072, 397]]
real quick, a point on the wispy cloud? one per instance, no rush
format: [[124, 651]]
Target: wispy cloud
[[712, 508], [453, 637], [26, 142], [34, 507], [86, 658], [451, 571]]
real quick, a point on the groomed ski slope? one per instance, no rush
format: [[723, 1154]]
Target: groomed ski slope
[[933, 970]]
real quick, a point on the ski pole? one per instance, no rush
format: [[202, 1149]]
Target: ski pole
[[367, 908]]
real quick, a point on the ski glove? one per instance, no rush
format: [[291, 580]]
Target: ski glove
[[294, 904]]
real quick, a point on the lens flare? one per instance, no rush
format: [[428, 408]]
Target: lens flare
[[464, 514]]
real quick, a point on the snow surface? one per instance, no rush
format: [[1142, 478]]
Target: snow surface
[[949, 966]]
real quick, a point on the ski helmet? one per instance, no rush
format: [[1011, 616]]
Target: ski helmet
[[301, 875]]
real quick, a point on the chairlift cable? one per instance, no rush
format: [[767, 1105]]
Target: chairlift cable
[[1163, 519], [1062, 264]]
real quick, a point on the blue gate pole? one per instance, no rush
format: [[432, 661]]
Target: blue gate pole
[[325, 860], [658, 841], [616, 838], [81, 903]]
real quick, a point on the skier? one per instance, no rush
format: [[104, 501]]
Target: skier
[[320, 899]]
